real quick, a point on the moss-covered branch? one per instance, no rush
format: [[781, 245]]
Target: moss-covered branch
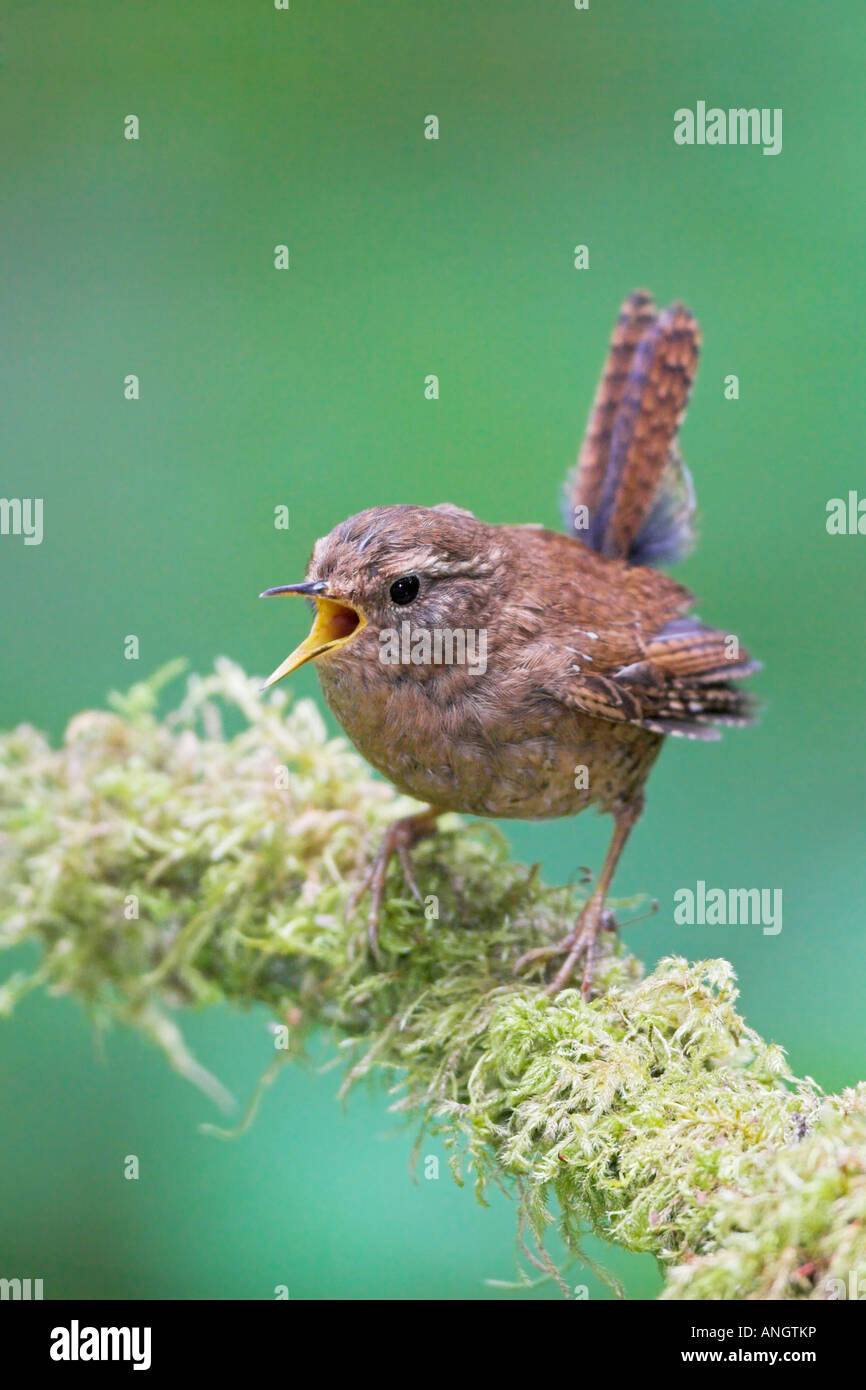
[[159, 863]]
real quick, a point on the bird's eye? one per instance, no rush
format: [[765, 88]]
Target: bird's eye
[[404, 590]]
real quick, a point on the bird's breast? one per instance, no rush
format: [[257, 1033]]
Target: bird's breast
[[484, 751]]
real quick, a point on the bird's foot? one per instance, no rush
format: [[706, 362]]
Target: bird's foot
[[398, 839], [580, 944]]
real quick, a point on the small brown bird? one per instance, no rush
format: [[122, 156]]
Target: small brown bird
[[513, 671]]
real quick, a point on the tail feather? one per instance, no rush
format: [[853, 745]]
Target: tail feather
[[630, 477], [668, 532], [584, 485]]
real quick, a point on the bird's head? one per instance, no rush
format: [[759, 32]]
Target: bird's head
[[436, 567]]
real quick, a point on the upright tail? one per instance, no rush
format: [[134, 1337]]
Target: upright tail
[[630, 496]]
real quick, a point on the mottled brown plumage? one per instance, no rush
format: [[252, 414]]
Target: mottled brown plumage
[[591, 657], [636, 316]]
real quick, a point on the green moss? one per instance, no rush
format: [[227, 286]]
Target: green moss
[[651, 1115]]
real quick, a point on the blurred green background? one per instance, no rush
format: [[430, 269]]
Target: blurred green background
[[305, 388]]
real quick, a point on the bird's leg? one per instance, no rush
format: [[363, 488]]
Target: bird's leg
[[398, 839], [582, 942]]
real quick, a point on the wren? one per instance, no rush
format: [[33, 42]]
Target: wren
[[592, 657]]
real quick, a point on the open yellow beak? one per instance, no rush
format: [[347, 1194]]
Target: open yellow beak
[[336, 623]]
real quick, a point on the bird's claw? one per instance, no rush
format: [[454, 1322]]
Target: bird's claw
[[398, 839], [581, 943]]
